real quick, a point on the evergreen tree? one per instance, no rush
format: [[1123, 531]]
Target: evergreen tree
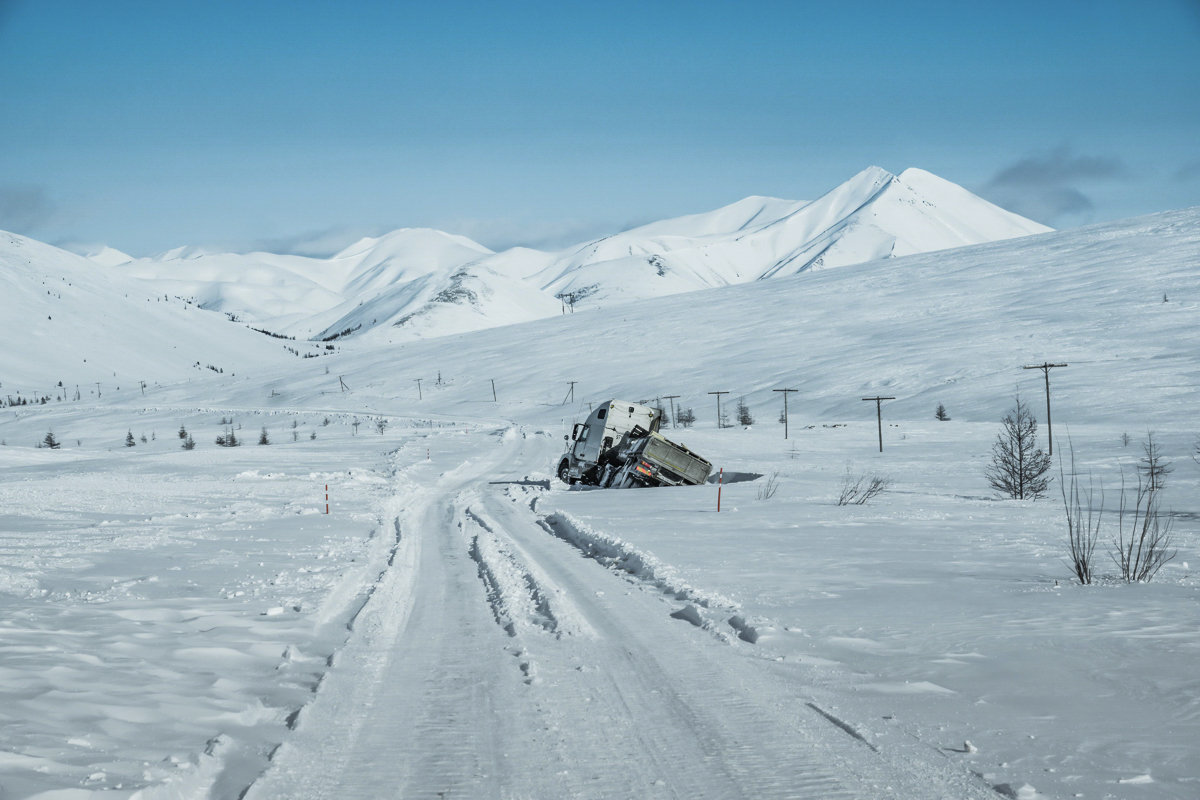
[[50, 441], [129, 440], [183, 434], [189, 443], [743, 413], [262, 437], [1019, 467], [941, 413]]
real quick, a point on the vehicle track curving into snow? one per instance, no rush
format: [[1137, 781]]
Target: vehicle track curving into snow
[[492, 660]]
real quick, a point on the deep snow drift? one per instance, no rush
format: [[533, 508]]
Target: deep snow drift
[[191, 623]]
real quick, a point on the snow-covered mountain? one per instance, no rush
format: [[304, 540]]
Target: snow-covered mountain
[[72, 324], [418, 283], [326, 616]]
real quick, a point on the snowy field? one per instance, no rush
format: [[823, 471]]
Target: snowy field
[[193, 624]]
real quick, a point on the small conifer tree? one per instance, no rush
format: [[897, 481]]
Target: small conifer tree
[[50, 441], [1019, 466], [189, 443], [262, 437], [743, 413], [941, 414], [129, 440]]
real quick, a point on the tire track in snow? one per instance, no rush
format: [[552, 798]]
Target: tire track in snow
[[673, 723], [424, 702]]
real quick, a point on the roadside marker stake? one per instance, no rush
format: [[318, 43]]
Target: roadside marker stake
[[327, 498], [720, 480]]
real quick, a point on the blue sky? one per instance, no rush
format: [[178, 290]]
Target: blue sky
[[298, 126]]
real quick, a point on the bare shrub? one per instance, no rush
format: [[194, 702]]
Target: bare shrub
[[1083, 520], [768, 489], [1143, 544], [858, 489]]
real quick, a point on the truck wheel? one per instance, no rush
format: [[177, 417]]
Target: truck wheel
[[564, 472]]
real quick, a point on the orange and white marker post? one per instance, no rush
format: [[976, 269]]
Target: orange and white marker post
[[327, 498], [720, 480]]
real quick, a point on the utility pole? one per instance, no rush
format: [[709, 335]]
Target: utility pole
[[567, 298], [671, 397], [879, 416], [418, 382], [718, 394], [97, 388], [570, 394], [143, 385], [1045, 367], [494, 391], [342, 383], [785, 419]]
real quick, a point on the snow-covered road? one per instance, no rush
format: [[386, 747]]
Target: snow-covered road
[[495, 659]]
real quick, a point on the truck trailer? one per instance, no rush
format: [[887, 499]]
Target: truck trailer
[[619, 446]]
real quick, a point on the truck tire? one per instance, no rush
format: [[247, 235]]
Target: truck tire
[[564, 473]]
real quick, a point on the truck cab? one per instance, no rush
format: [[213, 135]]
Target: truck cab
[[605, 429]]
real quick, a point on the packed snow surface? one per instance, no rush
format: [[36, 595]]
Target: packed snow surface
[[192, 623]]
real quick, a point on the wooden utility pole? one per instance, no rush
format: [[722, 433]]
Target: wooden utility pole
[[1045, 367], [570, 394], [879, 416], [785, 418], [342, 383], [494, 391], [418, 382], [718, 394], [671, 398], [568, 299]]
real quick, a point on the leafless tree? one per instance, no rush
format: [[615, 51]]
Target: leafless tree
[[1152, 465], [1142, 550], [1019, 466], [1083, 520]]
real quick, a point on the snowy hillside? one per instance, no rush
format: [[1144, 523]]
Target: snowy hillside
[[417, 283], [74, 324], [192, 623], [873, 215]]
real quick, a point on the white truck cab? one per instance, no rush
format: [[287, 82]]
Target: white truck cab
[[606, 427]]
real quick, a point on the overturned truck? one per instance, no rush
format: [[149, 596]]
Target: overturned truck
[[619, 446]]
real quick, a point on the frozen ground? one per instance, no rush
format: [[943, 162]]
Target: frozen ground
[[192, 624]]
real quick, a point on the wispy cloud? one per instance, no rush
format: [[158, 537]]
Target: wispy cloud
[[24, 209], [1048, 187], [1188, 172], [314, 244], [501, 234]]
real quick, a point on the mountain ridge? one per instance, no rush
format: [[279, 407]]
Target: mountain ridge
[[421, 282]]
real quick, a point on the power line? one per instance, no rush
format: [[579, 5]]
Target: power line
[[1045, 367], [879, 416], [718, 394], [785, 414], [671, 397]]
